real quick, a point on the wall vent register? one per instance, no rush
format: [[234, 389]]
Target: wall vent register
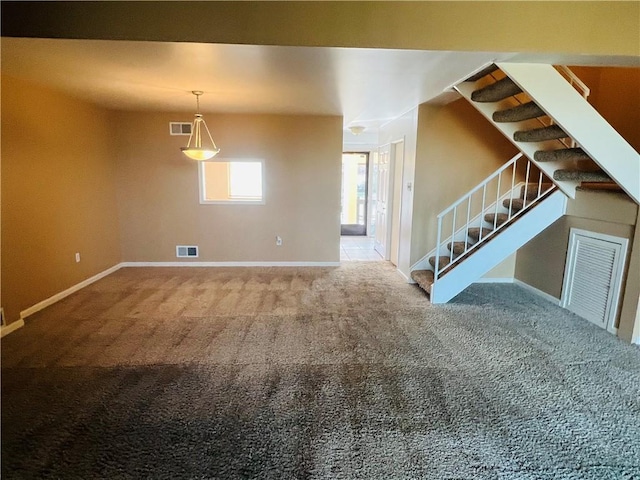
[[179, 128], [187, 251]]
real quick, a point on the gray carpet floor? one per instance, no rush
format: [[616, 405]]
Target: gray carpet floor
[[341, 373]]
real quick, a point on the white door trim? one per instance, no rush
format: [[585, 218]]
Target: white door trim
[[384, 248], [620, 246], [396, 191]]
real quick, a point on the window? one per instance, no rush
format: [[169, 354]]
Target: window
[[232, 181]]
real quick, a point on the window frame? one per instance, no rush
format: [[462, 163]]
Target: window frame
[[232, 201]]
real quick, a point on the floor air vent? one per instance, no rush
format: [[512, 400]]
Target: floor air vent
[[593, 274], [186, 251]]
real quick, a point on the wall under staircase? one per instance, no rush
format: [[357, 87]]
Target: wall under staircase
[[567, 142]]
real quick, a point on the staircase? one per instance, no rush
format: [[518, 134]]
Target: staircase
[[566, 145], [486, 225], [548, 120]]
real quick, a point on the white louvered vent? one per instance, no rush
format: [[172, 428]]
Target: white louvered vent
[[593, 273], [186, 251], [179, 128]]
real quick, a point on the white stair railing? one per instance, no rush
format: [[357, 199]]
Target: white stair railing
[[574, 80], [505, 184], [576, 83]]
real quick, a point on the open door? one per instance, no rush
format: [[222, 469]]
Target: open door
[[353, 216], [382, 239], [397, 152]]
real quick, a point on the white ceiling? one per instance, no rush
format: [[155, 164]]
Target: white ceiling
[[366, 86]]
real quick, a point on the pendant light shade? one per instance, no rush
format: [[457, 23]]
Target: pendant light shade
[[196, 149]]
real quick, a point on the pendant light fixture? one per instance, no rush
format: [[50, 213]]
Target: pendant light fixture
[[198, 150]]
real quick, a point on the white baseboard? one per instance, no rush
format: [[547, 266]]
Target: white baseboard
[[59, 296], [12, 327], [494, 280], [406, 279], [540, 293], [636, 341], [230, 264]]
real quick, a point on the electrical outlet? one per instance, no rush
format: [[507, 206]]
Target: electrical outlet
[[279, 241], [77, 257]]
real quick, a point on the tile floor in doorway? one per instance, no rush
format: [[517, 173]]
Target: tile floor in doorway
[[358, 248]]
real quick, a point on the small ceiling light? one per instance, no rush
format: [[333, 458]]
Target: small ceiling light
[[357, 129], [198, 151]]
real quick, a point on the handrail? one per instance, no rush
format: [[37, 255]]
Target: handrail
[[512, 192], [479, 186], [574, 80], [528, 200]]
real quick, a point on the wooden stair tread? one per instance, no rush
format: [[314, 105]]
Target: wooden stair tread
[[499, 218], [552, 132], [516, 204], [496, 91], [443, 260], [474, 232], [424, 278], [459, 247], [531, 190], [482, 73], [581, 176], [561, 155], [602, 186], [526, 111]]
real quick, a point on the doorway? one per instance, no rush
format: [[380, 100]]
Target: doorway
[[396, 201], [354, 192], [382, 182], [390, 171]]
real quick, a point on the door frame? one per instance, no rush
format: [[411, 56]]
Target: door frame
[[396, 190], [390, 148], [383, 248], [619, 245], [366, 198]]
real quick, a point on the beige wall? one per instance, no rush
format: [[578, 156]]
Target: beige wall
[[58, 194], [158, 189], [615, 94], [541, 262], [629, 327], [457, 148], [404, 128], [603, 28]]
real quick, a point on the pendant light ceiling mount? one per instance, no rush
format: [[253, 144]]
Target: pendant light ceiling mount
[[200, 151]]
